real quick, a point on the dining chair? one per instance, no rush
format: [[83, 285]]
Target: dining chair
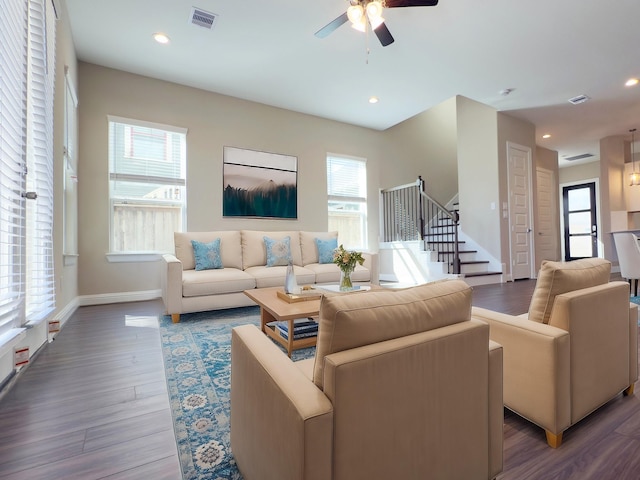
[[628, 250]]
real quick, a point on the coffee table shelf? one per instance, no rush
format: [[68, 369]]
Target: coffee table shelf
[[273, 308]]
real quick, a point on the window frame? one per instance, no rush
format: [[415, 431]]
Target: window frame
[[360, 200], [180, 180]]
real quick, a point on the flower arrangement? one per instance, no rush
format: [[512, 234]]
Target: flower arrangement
[[346, 261]]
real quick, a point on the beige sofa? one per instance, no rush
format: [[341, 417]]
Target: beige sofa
[[575, 350], [244, 260], [404, 384]]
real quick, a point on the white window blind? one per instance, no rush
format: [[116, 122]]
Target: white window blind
[[347, 199], [27, 46], [147, 165], [13, 59], [39, 216]]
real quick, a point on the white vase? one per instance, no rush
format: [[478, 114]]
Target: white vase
[[290, 282]]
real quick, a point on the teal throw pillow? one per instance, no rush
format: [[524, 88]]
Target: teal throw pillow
[[278, 251], [325, 249], [207, 255]]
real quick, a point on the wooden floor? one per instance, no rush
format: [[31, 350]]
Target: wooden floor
[[93, 405]]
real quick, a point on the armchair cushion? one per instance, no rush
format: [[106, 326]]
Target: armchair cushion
[[353, 320], [556, 278]]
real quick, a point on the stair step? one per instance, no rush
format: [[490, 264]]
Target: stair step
[[480, 274], [451, 252], [442, 242], [473, 262]]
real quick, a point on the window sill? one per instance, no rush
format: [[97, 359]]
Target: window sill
[[132, 257]]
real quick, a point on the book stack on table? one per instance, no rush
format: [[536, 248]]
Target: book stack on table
[[302, 328]]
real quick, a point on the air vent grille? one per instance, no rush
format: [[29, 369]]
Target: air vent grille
[[202, 18], [579, 99], [579, 157]]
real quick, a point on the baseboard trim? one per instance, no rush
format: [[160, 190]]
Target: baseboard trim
[[122, 297]]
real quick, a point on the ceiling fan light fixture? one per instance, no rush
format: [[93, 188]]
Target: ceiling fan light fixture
[[360, 25], [355, 14]]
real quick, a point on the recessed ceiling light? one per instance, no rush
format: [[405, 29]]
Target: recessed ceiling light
[[546, 135], [161, 38], [631, 82], [373, 99]]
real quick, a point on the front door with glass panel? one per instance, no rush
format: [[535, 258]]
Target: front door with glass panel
[[580, 222]]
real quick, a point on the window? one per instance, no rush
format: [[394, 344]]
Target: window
[[27, 66], [147, 165], [347, 192]]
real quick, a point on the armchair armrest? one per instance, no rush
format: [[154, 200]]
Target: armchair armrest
[[281, 423], [171, 284], [536, 368]]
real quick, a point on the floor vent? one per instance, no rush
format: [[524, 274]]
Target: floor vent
[[579, 99], [579, 157], [202, 18]]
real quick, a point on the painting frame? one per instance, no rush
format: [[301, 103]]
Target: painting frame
[[257, 184]]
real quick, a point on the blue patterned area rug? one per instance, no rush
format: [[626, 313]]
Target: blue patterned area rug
[[197, 360]]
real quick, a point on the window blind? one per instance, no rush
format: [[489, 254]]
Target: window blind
[[13, 65], [39, 216], [346, 177]]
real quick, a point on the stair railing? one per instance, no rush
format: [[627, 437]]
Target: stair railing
[[408, 213]]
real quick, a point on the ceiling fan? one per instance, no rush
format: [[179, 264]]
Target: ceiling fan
[[364, 13]]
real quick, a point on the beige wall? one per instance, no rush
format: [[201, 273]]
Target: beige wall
[[612, 201], [213, 121], [425, 145], [577, 173], [479, 173]]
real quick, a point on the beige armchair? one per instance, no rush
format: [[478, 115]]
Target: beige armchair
[[575, 350], [404, 384]]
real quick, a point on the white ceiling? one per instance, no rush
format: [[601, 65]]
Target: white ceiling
[[547, 51]]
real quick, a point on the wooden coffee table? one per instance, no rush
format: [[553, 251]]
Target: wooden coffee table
[[273, 308]]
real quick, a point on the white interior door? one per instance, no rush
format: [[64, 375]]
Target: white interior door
[[521, 240], [547, 234]]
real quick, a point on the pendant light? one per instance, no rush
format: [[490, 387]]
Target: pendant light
[[634, 178]]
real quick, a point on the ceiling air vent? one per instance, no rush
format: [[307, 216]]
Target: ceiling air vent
[[578, 99], [202, 18], [579, 157]]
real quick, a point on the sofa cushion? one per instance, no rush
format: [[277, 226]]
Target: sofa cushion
[[274, 276], [308, 245], [326, 249], [230, 247], [356, 319], [278, 251], [254, 252], [207, 255], [330, 273], [214, 282], [556, 278]]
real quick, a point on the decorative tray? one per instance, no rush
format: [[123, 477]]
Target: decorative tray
[[303, 296]]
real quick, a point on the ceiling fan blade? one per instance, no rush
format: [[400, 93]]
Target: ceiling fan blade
[[384, 35], [410, 3], [330, 27]]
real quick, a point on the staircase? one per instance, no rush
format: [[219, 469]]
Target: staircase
[[421, 241]]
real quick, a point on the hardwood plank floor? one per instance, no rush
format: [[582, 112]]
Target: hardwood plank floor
[[94, 405]]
